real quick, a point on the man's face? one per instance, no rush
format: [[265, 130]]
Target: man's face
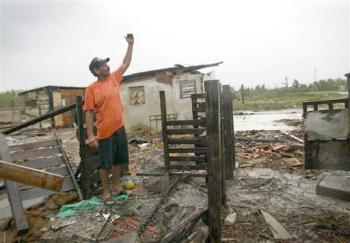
[[103, 70]]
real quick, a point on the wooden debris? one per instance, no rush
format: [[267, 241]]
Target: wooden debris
[[30, 176], [277, 230]]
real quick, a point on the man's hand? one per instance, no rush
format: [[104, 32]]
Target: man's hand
[[92, 141], [130, 39]]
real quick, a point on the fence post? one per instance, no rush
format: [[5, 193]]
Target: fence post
[[212, 97], [164, 128], [227, 113]]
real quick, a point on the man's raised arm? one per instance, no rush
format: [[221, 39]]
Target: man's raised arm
[[127, 59]]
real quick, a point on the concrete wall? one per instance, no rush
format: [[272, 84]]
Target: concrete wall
[[138, 115], [327, 125], [326, 145]]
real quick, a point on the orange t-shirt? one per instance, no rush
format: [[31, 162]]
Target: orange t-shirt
[[104, 98]]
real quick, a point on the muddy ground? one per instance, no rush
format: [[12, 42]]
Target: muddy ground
[[269, 177]]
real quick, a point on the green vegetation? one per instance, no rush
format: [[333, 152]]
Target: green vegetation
[[261, 98], [7, 97]]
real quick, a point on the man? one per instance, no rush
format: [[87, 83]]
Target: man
[[103, 98]]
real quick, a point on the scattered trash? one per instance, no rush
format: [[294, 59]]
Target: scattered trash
[[231, 219], [137, 140], [277, 230], [59, 225], [79, 207], [129, 185], [142, 146]]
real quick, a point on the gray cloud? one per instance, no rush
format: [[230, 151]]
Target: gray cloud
[[52, 42]]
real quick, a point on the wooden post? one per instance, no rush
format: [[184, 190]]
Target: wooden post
[[242, 93], [82, 138], [30, 176], [51, 108], [212, 98], [12, 111], [164, 128], [348, 86], [228, 144], [304, 110], [222, 150], [12, 191], [40, 114]]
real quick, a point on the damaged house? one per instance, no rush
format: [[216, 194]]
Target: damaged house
[[140, 94]]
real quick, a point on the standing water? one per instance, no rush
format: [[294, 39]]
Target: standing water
[[266, 120]]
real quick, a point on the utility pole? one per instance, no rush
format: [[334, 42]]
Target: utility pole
[[242, 93], [286, 82], [315, 71]]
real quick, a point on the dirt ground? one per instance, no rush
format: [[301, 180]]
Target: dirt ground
[[269, 177]]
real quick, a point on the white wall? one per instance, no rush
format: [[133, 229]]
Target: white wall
[[138, 115]]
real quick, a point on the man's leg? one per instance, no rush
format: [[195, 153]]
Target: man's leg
[[104, 181], [116, 172]]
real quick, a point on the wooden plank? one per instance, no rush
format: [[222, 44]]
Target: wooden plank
[[212, 98], [39, 119], [200, 107], [278, 231], [35, 153], [187, 158], [197, 141], [164, 128], [186, 123], [199, 150], [227, 113], [42, 163], [188, 167], [70, 170], [31, 193], [12, 192], [198, 96], [196, 131], [29, 176], [80, 119], [29, 146], [330, 106]]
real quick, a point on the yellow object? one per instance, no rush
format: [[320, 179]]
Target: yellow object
[[130, 185]]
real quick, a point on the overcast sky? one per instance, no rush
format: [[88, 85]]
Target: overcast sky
[[51, 42]]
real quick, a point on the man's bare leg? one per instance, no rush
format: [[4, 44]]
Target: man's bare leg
[[104, 181], [116, 170]]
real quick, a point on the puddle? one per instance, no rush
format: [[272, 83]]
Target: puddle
[[266, 120]]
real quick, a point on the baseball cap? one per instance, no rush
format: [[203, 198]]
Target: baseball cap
[[97, 62]]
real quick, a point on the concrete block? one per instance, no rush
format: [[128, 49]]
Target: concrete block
[[334, 186]]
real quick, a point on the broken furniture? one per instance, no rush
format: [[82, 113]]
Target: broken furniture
[[326, 133], [203, 143], [185, 141], [48, 155], [43, 155]]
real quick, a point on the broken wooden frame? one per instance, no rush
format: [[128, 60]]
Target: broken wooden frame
[[39, 119], [212, 124], [184, 153], [37, 155]]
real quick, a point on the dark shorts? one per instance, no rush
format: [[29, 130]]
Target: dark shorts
[[114, 149]]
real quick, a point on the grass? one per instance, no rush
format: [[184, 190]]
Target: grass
[[275, 100]]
